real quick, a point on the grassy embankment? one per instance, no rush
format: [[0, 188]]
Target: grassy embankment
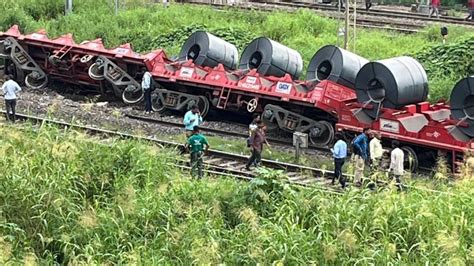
[[70, 198]]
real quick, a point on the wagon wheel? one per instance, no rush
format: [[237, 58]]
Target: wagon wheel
[[266, 119], [96, 71], [322, 134], [203, 105], [158, 102], [410, 160], [36, 81], [132, 94], [252, 105]]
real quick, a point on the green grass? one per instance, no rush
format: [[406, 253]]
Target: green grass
[[70, 198], [155, 27]]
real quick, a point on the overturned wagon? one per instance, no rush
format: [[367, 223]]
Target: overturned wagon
[[342, 91]]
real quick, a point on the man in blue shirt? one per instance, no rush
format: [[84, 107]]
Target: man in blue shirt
[[339, 152], [361, 154], [192, 118], [9, 89]]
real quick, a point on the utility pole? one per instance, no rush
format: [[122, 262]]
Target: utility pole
[[346, 24], [116, 7], [68, 7], [350, 34], [354, 25]]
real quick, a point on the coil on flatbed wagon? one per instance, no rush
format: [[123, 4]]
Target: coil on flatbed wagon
[[208, 50], [335, 64], [271, 58], [462, 104], [394, 82]]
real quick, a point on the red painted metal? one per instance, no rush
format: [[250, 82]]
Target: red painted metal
[[330, 97]]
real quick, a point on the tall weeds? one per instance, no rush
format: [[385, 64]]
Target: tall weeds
[[68, 198]]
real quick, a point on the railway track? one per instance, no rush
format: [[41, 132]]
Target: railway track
[[370, 19], [224, 163], [375, 12], [215, 162], [361, 22], [220, 132]]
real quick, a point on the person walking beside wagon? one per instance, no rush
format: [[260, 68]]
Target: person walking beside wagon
[[10, 88], [339, 152], [376, 151], [252, 128], [258, 140], [396, 164], [197, 145], [368, 4], [361, 150], [470, 8], [434, 7], [191, 119], [147, 84]]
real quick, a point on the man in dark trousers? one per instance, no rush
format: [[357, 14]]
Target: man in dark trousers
[[339, 152], [360, 147], [368, 4], [258, 140], [10, 88], [470, 9], [147, 87], [197, 145]]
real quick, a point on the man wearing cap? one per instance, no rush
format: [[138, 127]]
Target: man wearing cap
[[197, 145], [258, 140]]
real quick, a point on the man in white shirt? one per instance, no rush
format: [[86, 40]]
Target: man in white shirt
[[10, 88], [147, 87], [376, 150], [396, 163]]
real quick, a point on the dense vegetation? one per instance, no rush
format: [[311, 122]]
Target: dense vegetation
[[68, 198], [152, 27]]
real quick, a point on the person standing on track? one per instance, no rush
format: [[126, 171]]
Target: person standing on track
[[470, 8], [198, 146], [10, 88], [339, 152], [396, 164], [191, 119], [147, 87], [434, 7], [368, 4], [259, 139], [376, 151], [252, 128], [361, 149]]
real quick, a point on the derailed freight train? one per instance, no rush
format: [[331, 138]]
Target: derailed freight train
[[342, 91]]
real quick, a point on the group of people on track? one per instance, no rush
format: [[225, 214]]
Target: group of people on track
[[367, 153]]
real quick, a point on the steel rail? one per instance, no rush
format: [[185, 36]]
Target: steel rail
[[362, 22], [374, 12], [297, 174], [218, 131]]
